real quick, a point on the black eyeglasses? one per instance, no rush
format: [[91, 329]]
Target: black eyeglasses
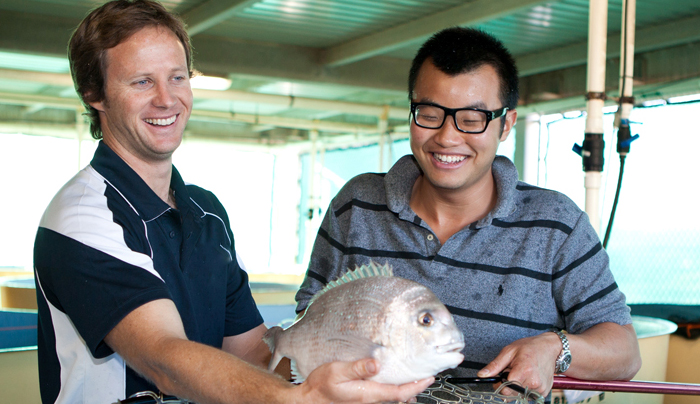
[[467, 120]]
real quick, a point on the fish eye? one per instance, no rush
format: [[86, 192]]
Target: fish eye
[[425, 319]]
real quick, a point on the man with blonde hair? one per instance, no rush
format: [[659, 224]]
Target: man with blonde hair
[[139, 286]]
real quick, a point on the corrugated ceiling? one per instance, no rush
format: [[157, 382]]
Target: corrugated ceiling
[[351, 53]]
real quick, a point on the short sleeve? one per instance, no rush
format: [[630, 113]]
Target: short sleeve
[[583, 285]]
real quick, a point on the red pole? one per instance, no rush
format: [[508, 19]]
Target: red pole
[[633, 386]]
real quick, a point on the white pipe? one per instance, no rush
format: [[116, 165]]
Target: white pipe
[[79, 131], [314, 221], [531, 146], [592, 183], [629, 11], [313, 136], [381, 128], [597, 42]]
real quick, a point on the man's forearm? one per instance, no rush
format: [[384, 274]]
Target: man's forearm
[[190, 367], [606, 351], [152, 341]]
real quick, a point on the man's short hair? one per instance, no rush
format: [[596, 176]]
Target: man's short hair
[[104, 28], [461, 50]]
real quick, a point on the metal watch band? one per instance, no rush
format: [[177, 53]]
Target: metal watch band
[[564, 359], [564, 340]]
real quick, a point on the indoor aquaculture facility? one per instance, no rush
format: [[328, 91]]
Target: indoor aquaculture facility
[[182, 180]]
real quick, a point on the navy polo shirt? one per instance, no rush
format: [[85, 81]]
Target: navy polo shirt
[[108, 244]]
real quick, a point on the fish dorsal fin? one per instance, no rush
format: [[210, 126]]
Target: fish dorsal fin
[[365, 271]]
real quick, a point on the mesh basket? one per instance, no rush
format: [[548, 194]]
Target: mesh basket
[[149, 397], [444, 392], [440, 392]]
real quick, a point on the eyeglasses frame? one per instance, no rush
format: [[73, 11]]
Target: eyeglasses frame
[[490, 115]]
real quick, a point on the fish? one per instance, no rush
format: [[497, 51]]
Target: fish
[[370, 313]]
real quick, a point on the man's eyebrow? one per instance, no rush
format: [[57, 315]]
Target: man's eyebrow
[[478, 104], [144, 73]]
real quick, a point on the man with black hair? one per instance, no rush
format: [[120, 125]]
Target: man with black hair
[[139, 287], [515, 264]]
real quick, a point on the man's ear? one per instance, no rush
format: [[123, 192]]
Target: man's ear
[[511, 118], [98, 105]]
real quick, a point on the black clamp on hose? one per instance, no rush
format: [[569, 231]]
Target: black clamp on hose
[[592, 152], [624, 137]]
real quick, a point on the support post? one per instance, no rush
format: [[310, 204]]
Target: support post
[[80, 133], [531, 149], [593, 144], [382, 128], [629, 11]]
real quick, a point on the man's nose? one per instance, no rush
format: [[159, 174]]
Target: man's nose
[[164, 96], [448, 135]]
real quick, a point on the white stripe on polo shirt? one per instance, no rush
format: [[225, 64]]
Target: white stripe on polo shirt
[[84, 197]]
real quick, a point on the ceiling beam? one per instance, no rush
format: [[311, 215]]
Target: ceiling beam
[[352, 108], [646, 39], [212, 12], [34, 33], [471, 13], [205, 115], [50, 79], [37, 34], [642, 93], [655, 78], [295, 63]]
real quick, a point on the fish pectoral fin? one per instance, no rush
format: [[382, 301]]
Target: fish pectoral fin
[[354, 348], [274, 361]]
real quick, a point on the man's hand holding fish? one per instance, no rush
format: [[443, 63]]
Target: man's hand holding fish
[[345, 382]]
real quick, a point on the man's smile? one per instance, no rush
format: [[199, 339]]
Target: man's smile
[[448, 158], [161, 121]]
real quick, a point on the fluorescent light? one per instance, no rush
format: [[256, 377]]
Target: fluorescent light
[[37, 63], [653, 103], [210, 83], [610, 109], [684, 98]]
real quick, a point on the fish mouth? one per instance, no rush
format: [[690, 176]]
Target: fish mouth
[[448, 348]]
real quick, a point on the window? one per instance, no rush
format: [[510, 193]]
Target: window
[[243, 182], [654, 245], [33, 169]]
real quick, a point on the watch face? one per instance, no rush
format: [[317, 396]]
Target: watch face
[[563, 362], [567, 359]]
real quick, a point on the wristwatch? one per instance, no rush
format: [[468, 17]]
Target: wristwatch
[[564, 359]]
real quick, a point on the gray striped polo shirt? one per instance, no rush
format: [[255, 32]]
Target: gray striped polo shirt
[[533, 264]]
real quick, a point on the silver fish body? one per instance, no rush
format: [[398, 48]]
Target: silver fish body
[[399, 322]]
